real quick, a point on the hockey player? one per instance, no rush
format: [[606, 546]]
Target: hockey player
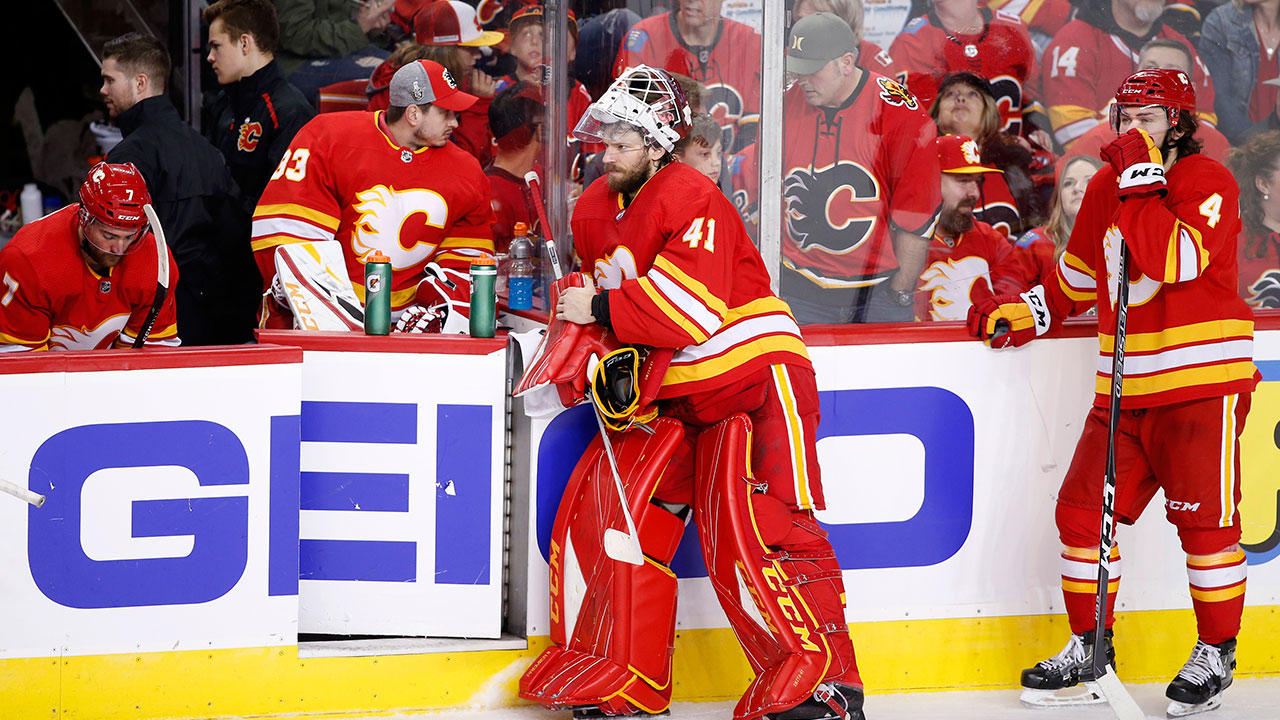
[[390, 182], [84, 278], [671, 267], [1188, 372], [859, 180], [722, 54]]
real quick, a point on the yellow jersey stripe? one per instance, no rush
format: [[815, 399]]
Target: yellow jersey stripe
[[1089, 587], [704, 369], [1228, 479], [795, 437], [694, 287], [328, 222], [675, 316], [1212, 330], [1215, 560], [1179, 379], [1218, 595], [271, 241]]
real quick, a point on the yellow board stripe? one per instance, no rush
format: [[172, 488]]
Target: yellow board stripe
[[1181, 335], [325, 221], [1175, 379]]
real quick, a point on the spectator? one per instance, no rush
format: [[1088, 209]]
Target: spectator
[[601, 39], [861, 191], [1271, 121], [322, 43], [517, 117], [966, 105], [194, 196], [84, 278], [1256, 165], [257, 112], [968, 259], [1043, 20], [870, 55], [1230, 46], [1159, 53], [1084, 64], [1038, 250], [958, 36], [703, 150], [722, 54]]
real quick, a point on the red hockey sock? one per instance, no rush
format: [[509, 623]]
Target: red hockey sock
[[1080, 586], [1217, 593]]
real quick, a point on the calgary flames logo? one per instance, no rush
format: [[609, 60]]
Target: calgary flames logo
[[617, 266], [896, 95], [383, 224], [949, 283], [829, 207], [970, 151], [1266, 291], [250, 134], [1140, 290], [66, 337]]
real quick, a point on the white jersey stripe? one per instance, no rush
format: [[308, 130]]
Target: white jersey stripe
[[290, 226], [1218, 577], [1229, 350], [1086, 570], [686, 301], [738, 334]]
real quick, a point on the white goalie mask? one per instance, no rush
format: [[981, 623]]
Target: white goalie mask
[[648, 99]]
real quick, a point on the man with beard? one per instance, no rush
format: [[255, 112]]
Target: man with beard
[[677, 272], [388, 182], [1096, 52], [1172, 216], [968, 259]]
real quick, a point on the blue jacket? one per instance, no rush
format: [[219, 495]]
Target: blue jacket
[[1229, 48]]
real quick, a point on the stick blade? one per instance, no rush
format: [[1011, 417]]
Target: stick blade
[[1121, 702], [162, 257], [623, 547]]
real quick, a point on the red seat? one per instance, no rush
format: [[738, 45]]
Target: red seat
[[345, 95]]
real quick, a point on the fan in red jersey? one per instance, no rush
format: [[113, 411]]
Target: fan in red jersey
[[722, 54], [860, 181], [518, 120], [84, 278], [388, 182], [1254, 165], [1188, 379], [677, 272]]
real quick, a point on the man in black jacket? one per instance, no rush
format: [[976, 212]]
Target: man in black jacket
[[257, 112], [195, 198]]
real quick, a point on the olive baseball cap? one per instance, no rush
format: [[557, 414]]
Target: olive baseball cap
[[816, 40]]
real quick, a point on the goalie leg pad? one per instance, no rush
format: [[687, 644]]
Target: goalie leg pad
[[775, 575], [612, 624]]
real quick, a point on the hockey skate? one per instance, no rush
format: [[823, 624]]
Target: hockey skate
[[1199, 685], [1067, 678], [595, 713], [830, 701]]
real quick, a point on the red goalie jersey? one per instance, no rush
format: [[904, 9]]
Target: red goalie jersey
[[683, 273], [344, 178], [1001, 52], [52, 300], [1189, 335]]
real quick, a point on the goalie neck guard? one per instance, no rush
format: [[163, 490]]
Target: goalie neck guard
[[645, 98]]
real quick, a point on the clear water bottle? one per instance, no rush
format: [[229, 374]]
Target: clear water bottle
[[520, 270], [31, 200]]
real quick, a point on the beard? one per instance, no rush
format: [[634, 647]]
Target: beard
[[956, 221], [630, 180]]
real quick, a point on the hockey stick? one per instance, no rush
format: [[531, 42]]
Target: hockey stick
[[162, 276], [1118, 698], [623, 547], [21, 493], [535, 189]]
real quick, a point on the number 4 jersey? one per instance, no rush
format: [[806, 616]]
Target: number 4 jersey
[[344, 178]]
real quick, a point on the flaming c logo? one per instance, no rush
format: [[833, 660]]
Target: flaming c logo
[[250, 134], [896, 95]]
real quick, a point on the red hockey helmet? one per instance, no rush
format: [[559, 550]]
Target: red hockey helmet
[[114, 195], [1165, 87], [645, 97]]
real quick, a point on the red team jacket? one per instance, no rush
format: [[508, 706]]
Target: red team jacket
[[1001, 52], [729, 69], [52, 300], [959, 271], [1190, 336], [851, 175], [345, 179], [683, 273]]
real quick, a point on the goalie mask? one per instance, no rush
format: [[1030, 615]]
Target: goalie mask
[[616, 386], [645, 98]]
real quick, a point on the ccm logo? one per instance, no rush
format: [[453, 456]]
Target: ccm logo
[[1177, 505]]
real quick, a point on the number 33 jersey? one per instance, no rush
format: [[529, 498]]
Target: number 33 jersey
[[683, 273], [344, 178]]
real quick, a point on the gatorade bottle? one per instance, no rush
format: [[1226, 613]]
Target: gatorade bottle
[[484, 274], [520, 270], [377, 294]]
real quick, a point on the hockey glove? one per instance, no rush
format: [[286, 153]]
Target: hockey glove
[[443, 303], [1010, 320], [1138, 162]]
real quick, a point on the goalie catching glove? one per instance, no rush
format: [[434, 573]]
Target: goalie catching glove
[[443, 303], [1138, 162], [1010, 320]]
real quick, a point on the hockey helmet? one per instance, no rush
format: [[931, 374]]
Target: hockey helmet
[[114, 195], [1163, 87], [646, 98]]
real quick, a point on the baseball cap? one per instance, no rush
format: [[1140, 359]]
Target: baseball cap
[[533, 13], [976, 82], [816, 40], [958, 155], [426, 81], [517, 106], [451, 23]]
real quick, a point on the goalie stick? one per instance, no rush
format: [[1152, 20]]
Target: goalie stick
[[535, 189], [21, 493], [162, 276]]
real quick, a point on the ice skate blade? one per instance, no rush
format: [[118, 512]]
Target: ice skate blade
[[1180, 709], [1083, 694]]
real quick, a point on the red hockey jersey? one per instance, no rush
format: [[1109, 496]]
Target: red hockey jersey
[[1260, 270], [52, 300], [1083, 67], [851, 176], [729, 69], [1001, 52], [511, 204], [1190, 335], [961, 270], [344, 178], [1045, 16], [1033, 257], [683, 273]]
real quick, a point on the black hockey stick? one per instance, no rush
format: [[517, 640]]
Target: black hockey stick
[[1118, 698], [162, 276]]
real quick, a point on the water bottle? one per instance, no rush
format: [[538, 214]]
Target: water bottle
[[520, 270], [32, 202], [377, 294], [484, 275]]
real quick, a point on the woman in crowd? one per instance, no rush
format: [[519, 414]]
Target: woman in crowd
[[1238, 44], [1037, 252], [1256, 166]]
